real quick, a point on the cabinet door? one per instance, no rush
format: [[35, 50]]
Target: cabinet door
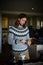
[[4, 29], [5, 23]]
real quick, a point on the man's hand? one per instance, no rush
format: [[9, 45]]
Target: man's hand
[[29, 42], [23, 41]]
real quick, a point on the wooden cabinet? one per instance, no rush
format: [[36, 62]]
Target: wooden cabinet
[[4, 22], [4, 29]]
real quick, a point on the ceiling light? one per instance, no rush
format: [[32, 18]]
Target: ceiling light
[[32, 8]]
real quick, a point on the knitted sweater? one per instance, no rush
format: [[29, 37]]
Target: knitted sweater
[[17, 34]]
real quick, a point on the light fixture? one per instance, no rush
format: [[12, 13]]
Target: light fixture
[[32, 8]]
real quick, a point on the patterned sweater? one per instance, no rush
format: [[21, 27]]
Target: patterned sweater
[[17, 34]]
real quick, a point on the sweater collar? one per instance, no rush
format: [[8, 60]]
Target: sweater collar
[[20, 27]]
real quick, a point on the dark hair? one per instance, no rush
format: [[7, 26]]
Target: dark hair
[[22, 15]]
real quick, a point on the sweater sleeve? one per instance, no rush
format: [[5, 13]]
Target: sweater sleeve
[[11, 38], [28, 36]]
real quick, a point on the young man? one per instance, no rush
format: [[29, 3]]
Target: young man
[[19, 38]]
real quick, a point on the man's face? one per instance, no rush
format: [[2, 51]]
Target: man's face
[[22, 21]]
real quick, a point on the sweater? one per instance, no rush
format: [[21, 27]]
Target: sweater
[[17, 34]]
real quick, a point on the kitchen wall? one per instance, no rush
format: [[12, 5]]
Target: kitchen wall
[[0, 34]]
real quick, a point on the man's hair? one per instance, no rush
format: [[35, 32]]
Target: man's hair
[[22, 15]]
